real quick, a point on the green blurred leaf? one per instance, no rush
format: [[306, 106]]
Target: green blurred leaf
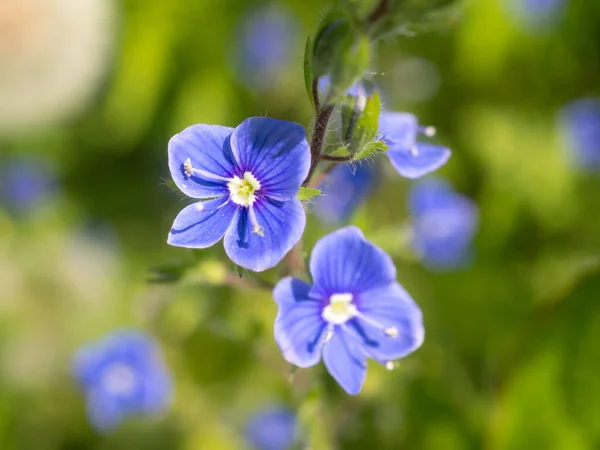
[[170, 272], [349, 63], [306, 193], [308, 70]]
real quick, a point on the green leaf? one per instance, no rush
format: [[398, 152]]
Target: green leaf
[[308, 69], [349, 63], [306, 193], [329, 40], [370, 148]]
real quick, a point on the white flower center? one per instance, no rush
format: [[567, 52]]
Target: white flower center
[[242, 190], [340, 309], [118, 379]]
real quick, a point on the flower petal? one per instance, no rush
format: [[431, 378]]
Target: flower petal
[[202, 224], [275, 152], [345, 262], [104, 412], [389, 308], [207, 148], [299, 325], [283, 224], [398, 130], [345, 362], [426, 159]]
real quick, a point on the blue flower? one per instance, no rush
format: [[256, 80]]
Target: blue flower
[[444, 224], [399, 130], [410, 158], [344, 189], [26, 183], [354, 309], [248, 179], [122, 374], [581, 123], [273, 428], [265, 44]]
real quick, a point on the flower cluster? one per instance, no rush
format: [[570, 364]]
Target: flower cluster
[[246, 182]]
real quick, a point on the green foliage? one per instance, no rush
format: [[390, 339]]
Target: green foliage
[[308, 193], [309, 75], [365, 130], [511, 355]]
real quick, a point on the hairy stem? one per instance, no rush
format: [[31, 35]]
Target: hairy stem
[[321, 122], [338, 159]]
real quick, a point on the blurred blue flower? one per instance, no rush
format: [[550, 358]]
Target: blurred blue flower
[[444, 224], [355, 309], [344, 189], [272, 428], [250, 177], [410, 158], [122, 374], [534, 14], [581, 123], [265, 45], [26, 183]]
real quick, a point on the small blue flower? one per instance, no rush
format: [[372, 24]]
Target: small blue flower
[[248, 179], [122, 374], [265, 44], [272, 428], [444, 224], [399, 130], [26, 183], [581, 123], [410, 158], [355, 309], [344, 190]]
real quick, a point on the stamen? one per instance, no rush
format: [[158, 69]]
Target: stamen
[[328, 335], [390, 365], [389, 331], [190, 170], [428, 131], [187, 166], [256, 228]]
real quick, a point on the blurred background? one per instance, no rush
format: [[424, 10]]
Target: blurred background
[[92, 90]]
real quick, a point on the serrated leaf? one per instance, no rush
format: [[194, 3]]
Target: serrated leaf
[[305, 193], [308, 69], [340, 151], [369, 149]]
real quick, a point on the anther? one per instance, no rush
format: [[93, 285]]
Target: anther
[[390, 365], [429, 131], [391, 332], [200, 206], [256, 228], [187, 166], [259, 230], [328, 336]]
